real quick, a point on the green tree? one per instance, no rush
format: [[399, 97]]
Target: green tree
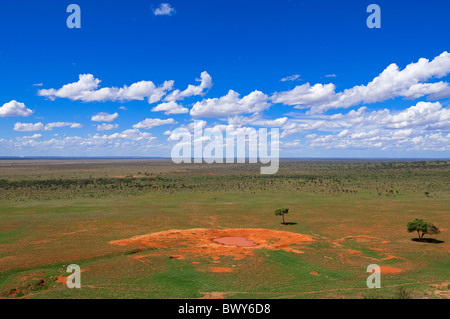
[[422, 228], [281, 212]]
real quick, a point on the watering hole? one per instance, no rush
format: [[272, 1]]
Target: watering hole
[[235, 241]]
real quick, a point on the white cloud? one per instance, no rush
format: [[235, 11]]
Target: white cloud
[[51, 126], [107, 127], [104, 117], [87, 90], [14, 109], [170, 108], [151, 123], [293, 77], [129, 141], [420, 117], [422, 114], [164, 9], [391, 83], [305, 95], [192, 90], [32, 137], [402, 140], [231, 104], [277, 122], [30, 127]]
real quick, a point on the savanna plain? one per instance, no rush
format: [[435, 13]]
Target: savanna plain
[[147, 228]]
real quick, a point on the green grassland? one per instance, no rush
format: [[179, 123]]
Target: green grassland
[[59, 212]]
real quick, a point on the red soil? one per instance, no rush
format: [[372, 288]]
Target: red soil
[[221, 269], [63, 280], [204, 242], [235, 241], [355, 252], [389, 257], [390, 270]]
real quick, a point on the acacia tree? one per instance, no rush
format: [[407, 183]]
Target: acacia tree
[[422, 228], [281, 212]]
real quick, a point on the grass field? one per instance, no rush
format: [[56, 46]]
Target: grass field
[[55, 213]]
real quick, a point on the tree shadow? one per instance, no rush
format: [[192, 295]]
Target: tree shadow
[[289, 223], [428, 240]]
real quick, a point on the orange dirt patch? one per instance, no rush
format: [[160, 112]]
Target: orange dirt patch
[[293, 250], [213, 295], [359, 238], [235, 241], [41, 273], [354, 252], [221, 269], [63, 280], [389, 257], [314, 273], [390, 270], [201, 242]]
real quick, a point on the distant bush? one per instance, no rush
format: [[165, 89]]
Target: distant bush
[[402, 293]]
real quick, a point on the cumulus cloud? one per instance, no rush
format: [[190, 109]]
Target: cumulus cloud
[[107, 127], [420, 117], [423, 126], [404, 140], [87, 90], [32, 137], [170, 108], [32, 127], [29, 127], [192, 90], [422, 114], [51, 126], [293, 77], [14, 109], [128, 141], [391, 83], [151, 123], [104, 117], [305, 95], [277, 122], [231, 104], [164, 9]]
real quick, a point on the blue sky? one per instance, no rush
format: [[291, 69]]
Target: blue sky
[[312, 68]]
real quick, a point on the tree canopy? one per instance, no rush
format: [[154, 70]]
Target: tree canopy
[[281, 212], [422, 227]]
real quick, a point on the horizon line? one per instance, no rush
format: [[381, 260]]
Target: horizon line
[[169, 158]]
